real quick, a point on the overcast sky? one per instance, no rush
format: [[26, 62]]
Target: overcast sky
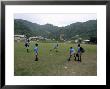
[[55, 19]]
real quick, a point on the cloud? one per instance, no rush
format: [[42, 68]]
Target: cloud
[[56, 19]]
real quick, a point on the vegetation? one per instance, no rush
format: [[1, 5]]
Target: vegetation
[[93, 40], [84, 30]]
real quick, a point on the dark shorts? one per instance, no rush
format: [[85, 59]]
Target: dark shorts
[[26, 45]]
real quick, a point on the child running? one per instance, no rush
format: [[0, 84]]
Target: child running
[[55, 47], [72, 52], [36, 52]]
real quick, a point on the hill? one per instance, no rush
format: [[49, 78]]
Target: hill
[[82, 29]]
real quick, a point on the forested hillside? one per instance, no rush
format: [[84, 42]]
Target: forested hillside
[[82, 29]]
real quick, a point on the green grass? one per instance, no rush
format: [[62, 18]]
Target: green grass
[[55, 64]]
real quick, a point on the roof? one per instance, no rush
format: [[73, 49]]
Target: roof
[[86, 40], [19, 35]]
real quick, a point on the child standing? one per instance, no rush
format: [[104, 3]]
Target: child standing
[[72, 52], [80, 51], [27, 45], [36, 52]]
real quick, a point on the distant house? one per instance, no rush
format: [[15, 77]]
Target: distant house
[[76, 41], [47, 39], [86, 41], [37, 38], [40, 37], [19, 38], [33, 38], [69, 41]]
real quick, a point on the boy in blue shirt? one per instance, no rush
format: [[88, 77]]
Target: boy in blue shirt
[[36, 52], [79, 53], [72, 52]]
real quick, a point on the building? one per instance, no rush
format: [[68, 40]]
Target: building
[[36, 38], [86, 41], [33, 38], [19, 38]]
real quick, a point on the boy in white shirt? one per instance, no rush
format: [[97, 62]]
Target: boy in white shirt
[[27, 45]]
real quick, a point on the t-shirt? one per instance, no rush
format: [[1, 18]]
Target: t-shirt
[[79, 49], [71, 50], [36, 50], [56, 46], [26, 42]]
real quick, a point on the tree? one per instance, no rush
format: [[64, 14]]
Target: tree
[[93, 40]]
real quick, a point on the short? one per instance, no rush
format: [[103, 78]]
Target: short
[[27, 47], [36, 54], [55, 47], [77, 55], [72, 53]]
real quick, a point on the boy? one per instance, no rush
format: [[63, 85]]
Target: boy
[[36, 52], [27, 45], [79, 53], [55, 47], [72, 52]]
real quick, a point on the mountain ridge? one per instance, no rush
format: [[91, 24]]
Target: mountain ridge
[[83, 29]]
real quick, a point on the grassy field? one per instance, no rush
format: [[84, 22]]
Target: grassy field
[[54, 63]]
